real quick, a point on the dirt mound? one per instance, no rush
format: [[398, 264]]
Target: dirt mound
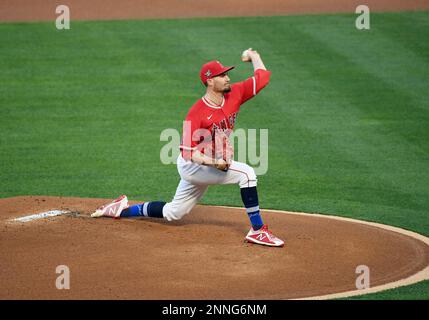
[[203, 256]]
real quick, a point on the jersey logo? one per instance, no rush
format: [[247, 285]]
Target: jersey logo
[[210, 116], [223, 124]]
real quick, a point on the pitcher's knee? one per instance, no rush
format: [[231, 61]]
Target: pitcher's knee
[[174, 212], [248, 178]]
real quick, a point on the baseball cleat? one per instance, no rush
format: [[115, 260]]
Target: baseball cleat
[[264, 236], [112, 209]]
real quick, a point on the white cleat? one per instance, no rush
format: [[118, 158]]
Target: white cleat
[[112, 209]]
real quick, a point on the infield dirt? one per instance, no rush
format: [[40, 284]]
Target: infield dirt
[[44, 10], [202, 256]]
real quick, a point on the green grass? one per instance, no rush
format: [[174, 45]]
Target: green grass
[[81, 111], [418, 291]]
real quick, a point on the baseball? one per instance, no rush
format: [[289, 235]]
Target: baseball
[[245, 56]]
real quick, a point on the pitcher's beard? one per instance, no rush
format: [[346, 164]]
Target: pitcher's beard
[[226, 90]]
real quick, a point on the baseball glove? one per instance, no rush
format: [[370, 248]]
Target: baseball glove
[[223, 147]]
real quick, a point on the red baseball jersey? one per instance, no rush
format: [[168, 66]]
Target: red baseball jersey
[[205, 115]]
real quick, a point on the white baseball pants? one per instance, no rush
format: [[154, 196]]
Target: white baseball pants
[[195, 180]]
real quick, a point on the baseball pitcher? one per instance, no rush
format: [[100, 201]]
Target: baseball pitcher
[[206, 152]]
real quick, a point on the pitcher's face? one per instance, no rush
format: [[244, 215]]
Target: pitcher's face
[[221, 83]]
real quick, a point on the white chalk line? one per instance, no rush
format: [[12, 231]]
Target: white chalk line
[[42, 215]]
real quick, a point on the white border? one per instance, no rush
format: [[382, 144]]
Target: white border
[[419, 276]]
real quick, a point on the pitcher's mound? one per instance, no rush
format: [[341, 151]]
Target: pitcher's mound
[[203, 256]]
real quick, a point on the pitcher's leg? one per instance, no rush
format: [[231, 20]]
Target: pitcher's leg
[[186, 197], [151, 209], [238, 173], [245, 176], [193, 186]]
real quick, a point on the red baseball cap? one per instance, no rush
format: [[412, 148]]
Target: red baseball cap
[[212, 69]]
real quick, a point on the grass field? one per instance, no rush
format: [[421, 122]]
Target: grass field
[[81, 111]]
